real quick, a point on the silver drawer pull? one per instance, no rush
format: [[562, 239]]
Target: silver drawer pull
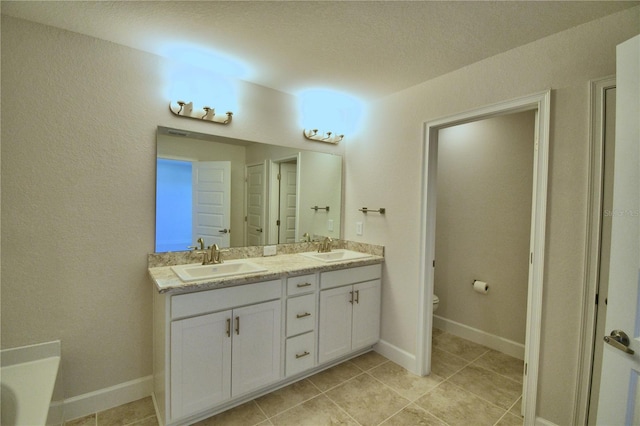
[[306, 314], [305, 353], [300, 285]]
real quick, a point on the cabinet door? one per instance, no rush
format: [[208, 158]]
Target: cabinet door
[[335, 323], [366, 314], [200, 363], [256, 346]]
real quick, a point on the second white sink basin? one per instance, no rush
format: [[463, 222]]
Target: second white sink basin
[[336, 255], [227, 269]]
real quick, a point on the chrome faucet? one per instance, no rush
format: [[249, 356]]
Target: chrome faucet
[[325, 245]]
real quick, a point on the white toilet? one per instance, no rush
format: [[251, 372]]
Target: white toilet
[[436, 302]]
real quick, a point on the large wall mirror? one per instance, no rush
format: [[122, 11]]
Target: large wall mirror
[[237, 193]]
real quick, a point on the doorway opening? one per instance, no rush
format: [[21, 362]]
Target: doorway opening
[[540, 103]]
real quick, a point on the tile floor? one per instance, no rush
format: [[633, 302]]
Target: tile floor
[[469, 384]]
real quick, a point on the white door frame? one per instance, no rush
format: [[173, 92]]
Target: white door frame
[[541, 102], [592, 252]]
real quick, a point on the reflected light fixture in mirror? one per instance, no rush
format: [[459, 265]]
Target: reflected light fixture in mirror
[[254, 206]]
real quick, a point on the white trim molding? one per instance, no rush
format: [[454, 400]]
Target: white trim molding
[[397, 355], [541, 103], [103, 399], [480, 337], [593, 245]]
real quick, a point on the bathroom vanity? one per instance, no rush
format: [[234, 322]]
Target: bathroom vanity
[[222, 341]]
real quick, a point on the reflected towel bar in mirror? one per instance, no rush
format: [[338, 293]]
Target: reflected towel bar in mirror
[[316, 208]]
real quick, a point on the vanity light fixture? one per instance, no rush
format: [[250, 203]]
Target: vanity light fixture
[[186, 110], [328, 137]]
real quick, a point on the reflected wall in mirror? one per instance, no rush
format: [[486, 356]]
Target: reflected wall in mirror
[[237, 193]]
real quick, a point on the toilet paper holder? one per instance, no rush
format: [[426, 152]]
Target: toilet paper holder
[[480, 286]]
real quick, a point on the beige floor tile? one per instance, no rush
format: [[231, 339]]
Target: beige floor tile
[[488, 385], [318, 411], [405, 383], [503, 364], [247, 414], [334, 376], [413, 415], [369, 360], [149, 421], [367, 400], [517, 407], [458, 346], [457, 407], [89, 420], [445, 364], [278, 401], [435, 332], [127, 413], [510, 420]]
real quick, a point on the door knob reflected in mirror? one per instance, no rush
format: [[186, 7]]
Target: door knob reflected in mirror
[[619, 340], [224, 231], [259, 230]]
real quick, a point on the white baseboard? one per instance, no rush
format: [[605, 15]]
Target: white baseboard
[[397, 355], [491, 341], [103, 399]]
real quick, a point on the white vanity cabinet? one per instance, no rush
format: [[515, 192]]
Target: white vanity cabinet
[[217, 348], [222, 344], [349, 311]]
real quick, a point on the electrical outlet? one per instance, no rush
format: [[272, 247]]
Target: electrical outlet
[[330, 225], [269, 251], [359, 228]]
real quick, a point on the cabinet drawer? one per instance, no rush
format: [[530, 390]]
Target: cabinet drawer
[[185, 305], [350, 276], [300, 353], [301, 284], [301, 314]]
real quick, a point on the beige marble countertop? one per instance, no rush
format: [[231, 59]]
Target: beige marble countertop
[[282, 265]]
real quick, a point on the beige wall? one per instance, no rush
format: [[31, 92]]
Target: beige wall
[[390, 154], [483, 223], [79, 123]]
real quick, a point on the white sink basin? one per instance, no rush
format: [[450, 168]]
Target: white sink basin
[[227, 269], [336, 255]]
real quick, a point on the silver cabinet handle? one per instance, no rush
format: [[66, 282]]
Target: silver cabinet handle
[[305, 353], [228, 327], [619, 340], [357, 296], [237, 325], [300, 285], [306, 314]]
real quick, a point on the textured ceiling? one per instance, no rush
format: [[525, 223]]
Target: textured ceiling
[[368, 49]]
